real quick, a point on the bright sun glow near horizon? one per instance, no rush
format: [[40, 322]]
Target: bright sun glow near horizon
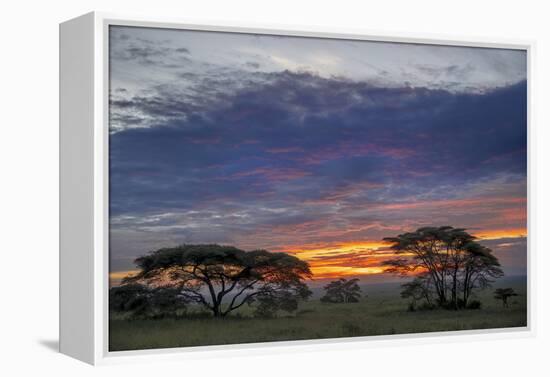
[[353, 258]]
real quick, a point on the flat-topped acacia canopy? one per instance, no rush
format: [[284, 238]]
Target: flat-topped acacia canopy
[[230, 276]]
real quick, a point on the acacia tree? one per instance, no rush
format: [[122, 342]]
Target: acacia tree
[[224, 278], [450, 257], [342, 291], [504, 294]]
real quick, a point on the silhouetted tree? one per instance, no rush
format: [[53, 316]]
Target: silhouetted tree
[[342, 291], [504, 294], [450, 258], [224, 278]]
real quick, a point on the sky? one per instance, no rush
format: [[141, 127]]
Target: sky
[[315, 147]]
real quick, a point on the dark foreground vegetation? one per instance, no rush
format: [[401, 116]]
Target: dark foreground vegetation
[[383, 312]]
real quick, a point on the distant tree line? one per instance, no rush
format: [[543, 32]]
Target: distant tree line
[[342, 291], [448, 265]]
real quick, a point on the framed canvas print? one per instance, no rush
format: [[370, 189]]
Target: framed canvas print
[[225, 187]]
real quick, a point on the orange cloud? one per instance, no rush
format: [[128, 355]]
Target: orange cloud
[[116, 277], [320, 272], [496, 234], [343, 259], [308, 251]]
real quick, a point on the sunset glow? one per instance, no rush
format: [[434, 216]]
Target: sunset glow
[[356, 258]]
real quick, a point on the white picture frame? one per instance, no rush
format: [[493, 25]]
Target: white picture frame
[[84, 268]]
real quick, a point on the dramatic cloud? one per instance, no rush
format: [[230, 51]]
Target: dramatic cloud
[[287, 144]]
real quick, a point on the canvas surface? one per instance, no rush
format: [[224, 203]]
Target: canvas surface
[[269, 188]]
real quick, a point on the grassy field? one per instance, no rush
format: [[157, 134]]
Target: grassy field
[[383, 312]]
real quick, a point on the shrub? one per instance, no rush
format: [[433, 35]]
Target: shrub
[[342, 291], [350, 329], [426, 306], [450, 305], [474, 304]]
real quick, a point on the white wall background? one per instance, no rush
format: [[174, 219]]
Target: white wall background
[[29, 183]]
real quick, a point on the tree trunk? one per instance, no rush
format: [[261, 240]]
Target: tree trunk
[[216, 310], [454, 289], [440, 289], [467, 289]]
